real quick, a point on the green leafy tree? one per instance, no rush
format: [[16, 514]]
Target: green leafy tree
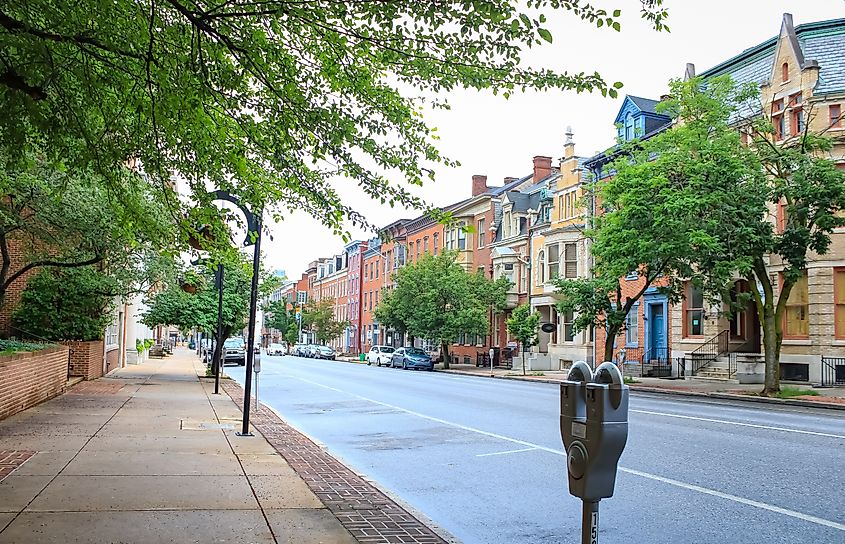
[[802, 179], [319, 318], [291, 334], [523, 325], [55, 218], [66, 304], [672, 202], [436, 299], [280, 318], [174, 306], [271, 100]]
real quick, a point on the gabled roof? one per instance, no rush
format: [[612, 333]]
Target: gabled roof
[[822, 42], [644, 105]]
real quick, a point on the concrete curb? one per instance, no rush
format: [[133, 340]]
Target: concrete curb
[[691, 394]]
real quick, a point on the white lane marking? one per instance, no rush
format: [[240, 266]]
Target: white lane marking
[[752, 425], [655, 477], [741, 500], [505, 452]]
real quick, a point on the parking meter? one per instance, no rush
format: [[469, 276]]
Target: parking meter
[[594, 429]]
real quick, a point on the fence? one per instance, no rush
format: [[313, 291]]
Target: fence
[[833, 371]]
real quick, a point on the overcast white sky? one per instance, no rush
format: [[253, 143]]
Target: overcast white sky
[[497, 137]]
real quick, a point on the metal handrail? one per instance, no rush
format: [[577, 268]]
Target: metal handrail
[[709, 351]]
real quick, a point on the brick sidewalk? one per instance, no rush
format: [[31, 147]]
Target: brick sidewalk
[[361, 508]]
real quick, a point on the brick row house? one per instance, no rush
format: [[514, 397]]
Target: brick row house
[[530, 229]]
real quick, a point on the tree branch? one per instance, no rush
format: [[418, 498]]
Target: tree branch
[[55, 264]]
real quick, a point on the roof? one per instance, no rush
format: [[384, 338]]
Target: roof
[[822, 41], [646, 105]]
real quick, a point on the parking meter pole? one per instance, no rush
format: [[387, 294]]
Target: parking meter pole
[[218, 359], [253, 308], [589, 522]]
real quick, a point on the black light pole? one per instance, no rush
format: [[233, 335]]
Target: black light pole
[[218, 349], [253, 307]]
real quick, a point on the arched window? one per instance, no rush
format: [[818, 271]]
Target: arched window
[[541, 267], [784, 72]]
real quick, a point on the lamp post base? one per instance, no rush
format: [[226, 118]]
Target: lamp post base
[[239, 433]]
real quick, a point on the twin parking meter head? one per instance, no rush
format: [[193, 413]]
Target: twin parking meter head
[[594, 428]]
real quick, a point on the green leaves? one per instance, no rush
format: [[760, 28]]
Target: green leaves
[[436, 299], [319, 318], [524, 325], [274, 101]]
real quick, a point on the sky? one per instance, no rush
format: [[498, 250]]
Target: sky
[[498, 138]]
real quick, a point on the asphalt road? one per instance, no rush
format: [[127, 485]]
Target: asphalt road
[[483, 458]]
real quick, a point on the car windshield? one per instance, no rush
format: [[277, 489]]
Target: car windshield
[[414, 351], [387, 349], [233, 343]]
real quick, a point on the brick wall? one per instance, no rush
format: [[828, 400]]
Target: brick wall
[[15, 290], [86, 358], [31, 378], [112, 359]]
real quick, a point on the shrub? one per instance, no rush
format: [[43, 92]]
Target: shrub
[[14, 346], [66, 304]]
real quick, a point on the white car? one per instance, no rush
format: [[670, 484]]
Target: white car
[[277, 349], [380, 355]]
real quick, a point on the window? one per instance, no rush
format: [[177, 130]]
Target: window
[[835, 113], [410, 250], [417, 255], [554, 261], [797, 322], [570, 261], [377, 267], [507, 222], [447, 244], [777, 119], [629, 127], [784, 72], [425, 244], [480, 232], [541, 268], [839, 301], [434, 241], [568, 328], [523, 280], [568, 208], [796, 125], [693, 311], [462, 237], [781, 216], [632, 326]]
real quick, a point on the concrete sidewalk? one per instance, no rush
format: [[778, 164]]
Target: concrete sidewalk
[[150, 455]]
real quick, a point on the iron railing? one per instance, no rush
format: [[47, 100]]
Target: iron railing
[[731, 365], [833, 371], [656, 363], [709, 351]]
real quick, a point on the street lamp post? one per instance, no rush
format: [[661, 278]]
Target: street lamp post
[[218, 359]]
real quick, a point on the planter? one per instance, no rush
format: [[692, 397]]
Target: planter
[[30, 378]]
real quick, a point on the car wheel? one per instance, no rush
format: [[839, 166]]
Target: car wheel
[[378, 362], [404, 364]]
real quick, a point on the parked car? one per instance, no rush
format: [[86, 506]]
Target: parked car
[[380, 355], [413, 358], [300, 350], [324, 352], [311, 350], [234, 351], [277, 349]]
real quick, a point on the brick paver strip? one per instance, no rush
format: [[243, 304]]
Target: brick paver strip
[[12, 459], [362, 509], [96, 387]]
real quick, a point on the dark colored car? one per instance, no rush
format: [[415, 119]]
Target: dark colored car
[[324, 352], [413, 358]]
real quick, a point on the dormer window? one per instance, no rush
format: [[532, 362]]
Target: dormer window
[[629, 124], [784, 72]]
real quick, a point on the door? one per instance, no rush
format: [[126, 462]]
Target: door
[[657, 332]]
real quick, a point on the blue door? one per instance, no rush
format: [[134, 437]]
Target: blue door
[[657, 331]]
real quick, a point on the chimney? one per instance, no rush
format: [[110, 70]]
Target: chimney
[[689, 73], [569, 145], [479, 184], [542, 167], [509, 179]]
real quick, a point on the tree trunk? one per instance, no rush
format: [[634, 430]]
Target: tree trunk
[[608, 346], [444, 351], [772, 337], [523, 359]]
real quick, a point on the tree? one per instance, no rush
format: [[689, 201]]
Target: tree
[[174, 306], [809, 191], [55, 218], [319, 318], [66, 304], [523, 325], [436, 299], [673, 202], [271, 100], [277, 316]]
